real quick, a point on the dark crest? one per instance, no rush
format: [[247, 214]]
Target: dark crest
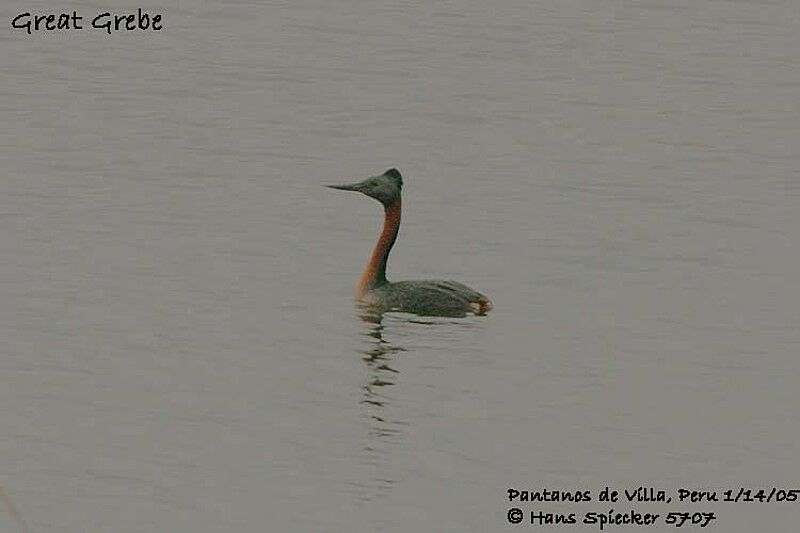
[[395, 175]]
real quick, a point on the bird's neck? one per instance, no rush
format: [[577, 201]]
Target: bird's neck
[[375, 273]]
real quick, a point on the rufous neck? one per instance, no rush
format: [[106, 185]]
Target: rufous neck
[[375, 273]]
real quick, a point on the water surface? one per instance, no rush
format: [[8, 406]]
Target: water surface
[[179, 350]]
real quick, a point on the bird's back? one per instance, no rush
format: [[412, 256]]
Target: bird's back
[[430, 297]]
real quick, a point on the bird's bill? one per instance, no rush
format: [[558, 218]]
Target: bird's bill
[[358, 187]]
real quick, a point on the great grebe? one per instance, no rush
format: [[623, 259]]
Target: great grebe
[[422, 297]]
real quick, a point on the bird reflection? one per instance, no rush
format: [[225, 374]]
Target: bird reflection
[[378, 358], [380, 400], [383, 432]]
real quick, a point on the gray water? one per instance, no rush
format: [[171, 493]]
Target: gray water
[[179, 349]]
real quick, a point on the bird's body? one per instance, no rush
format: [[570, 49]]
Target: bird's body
[[423, 297], [428, 297]]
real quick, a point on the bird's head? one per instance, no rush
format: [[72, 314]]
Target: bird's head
[[384, 188]]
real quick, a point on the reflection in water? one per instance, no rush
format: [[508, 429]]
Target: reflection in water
[[378, 357], [12, 510], [381, 407], [382, 431]]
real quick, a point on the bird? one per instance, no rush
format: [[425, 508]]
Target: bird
[[432, 297]]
